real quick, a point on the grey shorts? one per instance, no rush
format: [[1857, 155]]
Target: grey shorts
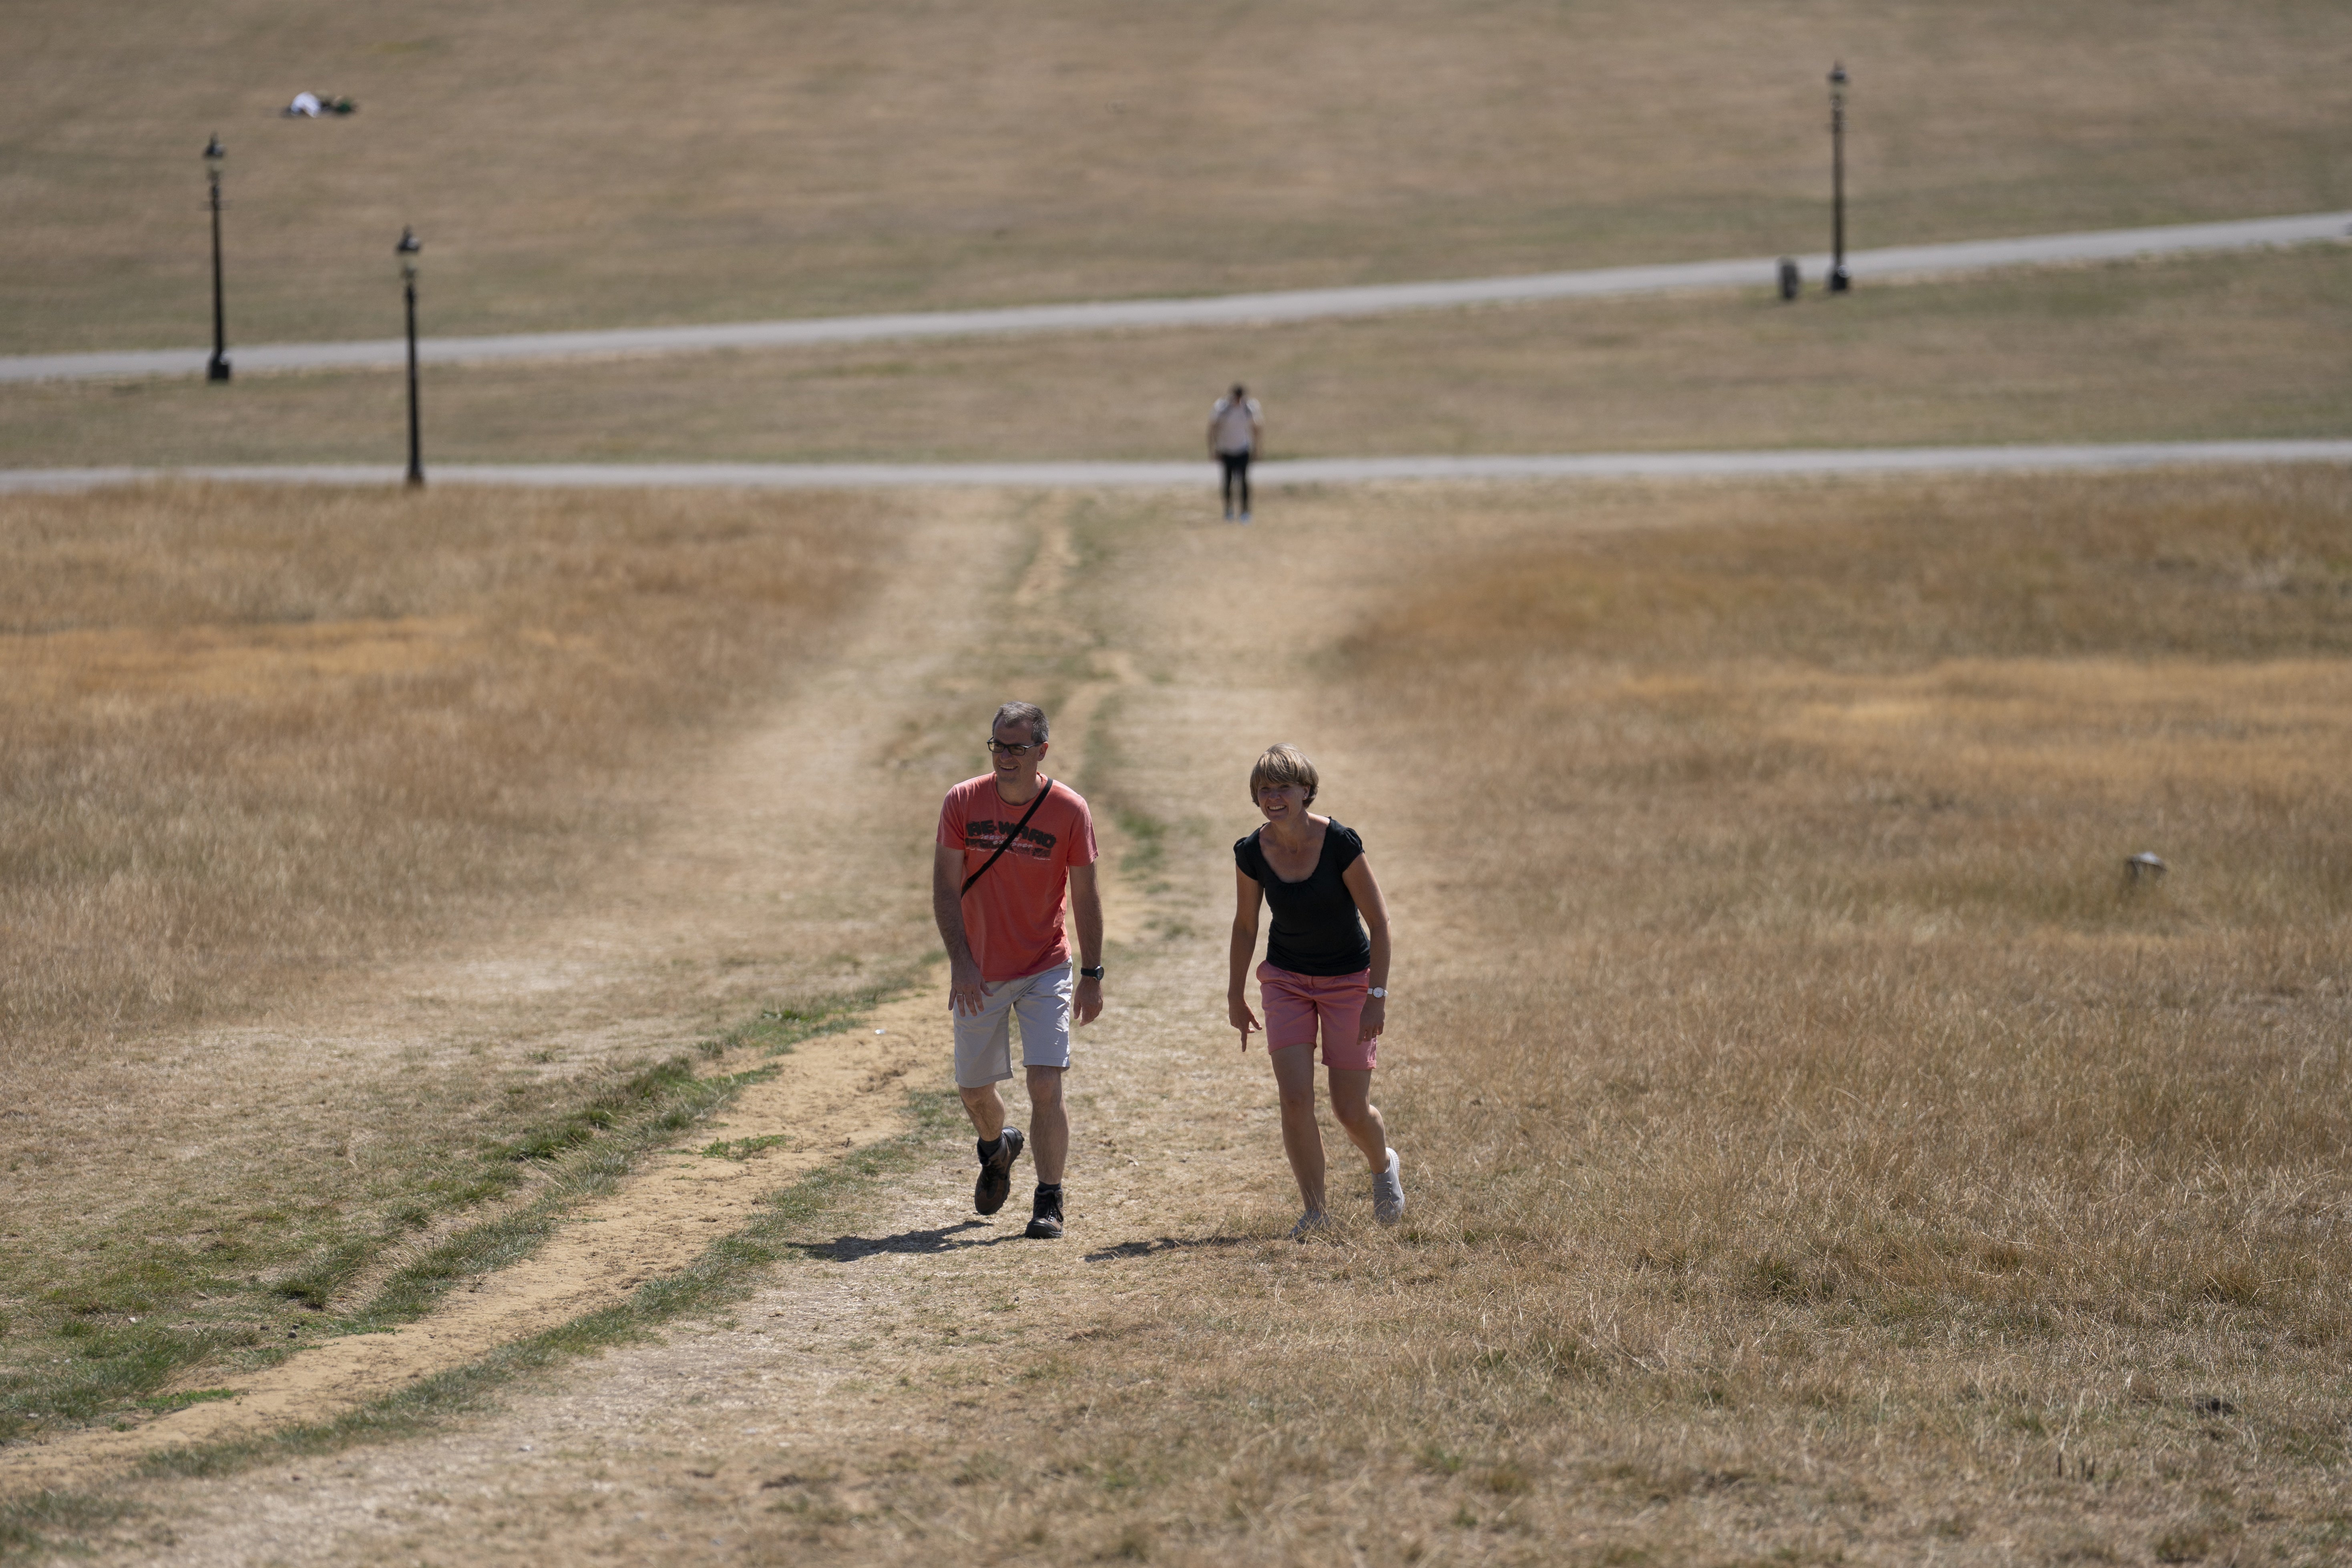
[[983, 1041]]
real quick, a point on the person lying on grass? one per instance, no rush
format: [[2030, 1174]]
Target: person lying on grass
[[1322, 969]]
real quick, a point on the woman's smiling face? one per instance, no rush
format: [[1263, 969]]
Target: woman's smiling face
[[1285, 804]]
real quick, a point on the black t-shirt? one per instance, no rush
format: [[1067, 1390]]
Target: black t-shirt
[[1317, 930]]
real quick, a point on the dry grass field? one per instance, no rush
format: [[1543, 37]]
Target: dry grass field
[[572, 167], [258, 745], [1826, 1154], [252, 737], [2186, 349], [1818, 1151]]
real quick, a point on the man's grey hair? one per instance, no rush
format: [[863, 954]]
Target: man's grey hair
[[1028, 713]]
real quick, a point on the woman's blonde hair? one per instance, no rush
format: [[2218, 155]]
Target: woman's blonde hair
[[1284, 764]]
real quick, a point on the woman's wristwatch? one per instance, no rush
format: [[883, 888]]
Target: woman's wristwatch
[[1379, 992], [1094, 973]]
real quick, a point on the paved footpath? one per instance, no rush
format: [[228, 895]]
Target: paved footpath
[[1224, 310], [1301, 471]]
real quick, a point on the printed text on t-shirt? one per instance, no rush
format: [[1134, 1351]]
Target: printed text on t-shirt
[[983, 837]]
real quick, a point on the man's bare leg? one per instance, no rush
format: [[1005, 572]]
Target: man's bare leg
[[986, 1109], [1049, 1124]]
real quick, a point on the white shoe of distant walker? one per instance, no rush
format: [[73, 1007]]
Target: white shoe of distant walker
[[1388, 1192]]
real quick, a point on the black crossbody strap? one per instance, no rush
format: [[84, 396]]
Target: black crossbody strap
[[1009, 837]]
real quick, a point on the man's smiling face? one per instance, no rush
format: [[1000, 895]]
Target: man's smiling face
[[1014, 757]]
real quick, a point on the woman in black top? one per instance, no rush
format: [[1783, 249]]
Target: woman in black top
[[1322, 971]]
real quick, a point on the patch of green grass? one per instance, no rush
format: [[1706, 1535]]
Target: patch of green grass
[[314, 1286], [180, 1401], [729, 1269], [45, 1523], [653, 1087], [742, 1148], [108, 1365], [776, 1030], [131, 1288], [107, 1359], [1147, 843], [650, 1110]]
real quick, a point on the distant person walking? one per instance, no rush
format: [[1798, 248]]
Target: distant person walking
[[1323, 972], [1237, 426], [1009, 843]]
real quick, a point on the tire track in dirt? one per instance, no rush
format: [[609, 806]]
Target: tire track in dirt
[[737, 1436], [710, 885], [830, 1096], [1040, 598]]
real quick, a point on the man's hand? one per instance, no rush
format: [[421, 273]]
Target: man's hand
[[1086, 1002], [966, 995], [1238, 1013]]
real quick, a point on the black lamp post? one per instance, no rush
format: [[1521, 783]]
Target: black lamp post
[[217, 368], [407, 250], [1840, 279]]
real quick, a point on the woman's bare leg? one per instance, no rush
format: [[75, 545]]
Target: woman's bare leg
[[1293, 1075], [1351, 1102]]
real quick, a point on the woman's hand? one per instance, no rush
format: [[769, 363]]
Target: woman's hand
[[1376, 1013], [1238, 1013]]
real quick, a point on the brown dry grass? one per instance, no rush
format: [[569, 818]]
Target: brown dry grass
[[1817, 1127], [257, 735], [571, 167], [2189, 348], [1818, 1152], [259, 748]]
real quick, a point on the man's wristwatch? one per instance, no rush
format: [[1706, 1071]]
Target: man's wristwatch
[[1094, 973], [1380, 993]]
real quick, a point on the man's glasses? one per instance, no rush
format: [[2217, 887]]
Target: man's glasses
[[998, 747]]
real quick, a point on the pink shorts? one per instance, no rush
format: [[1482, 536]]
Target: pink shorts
[[1294, 1003]]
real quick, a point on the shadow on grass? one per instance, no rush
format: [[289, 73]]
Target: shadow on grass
[[1171, 1244], [944, 1238]]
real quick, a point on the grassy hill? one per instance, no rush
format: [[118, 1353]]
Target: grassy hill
[[2194, 348], [604, 163]]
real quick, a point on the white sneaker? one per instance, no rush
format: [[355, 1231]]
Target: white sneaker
[[1308, 1224], [1388, 1193], [1245, 517]]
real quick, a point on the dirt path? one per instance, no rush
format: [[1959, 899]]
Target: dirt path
[[829, 1098], [700, 888], [883, 1347], [691, 930]]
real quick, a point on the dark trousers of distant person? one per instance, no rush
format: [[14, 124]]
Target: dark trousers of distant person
[[1236, 473]]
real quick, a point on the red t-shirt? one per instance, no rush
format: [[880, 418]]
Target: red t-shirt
[[1013, 916]]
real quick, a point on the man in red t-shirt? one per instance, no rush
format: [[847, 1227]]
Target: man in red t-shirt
[[1009, 844]]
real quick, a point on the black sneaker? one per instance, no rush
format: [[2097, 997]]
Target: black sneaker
[[995, 1184], [1046, 1217]]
